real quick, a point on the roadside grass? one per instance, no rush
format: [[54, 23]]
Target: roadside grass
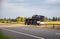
[[2, 36], [51, 24]]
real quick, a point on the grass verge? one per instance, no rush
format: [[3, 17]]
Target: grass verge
[[2, 36]]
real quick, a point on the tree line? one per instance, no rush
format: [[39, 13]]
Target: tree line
[[22, 19], [16, 20], [52, 19]]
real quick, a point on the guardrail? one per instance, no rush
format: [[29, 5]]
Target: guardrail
[[51, 24]]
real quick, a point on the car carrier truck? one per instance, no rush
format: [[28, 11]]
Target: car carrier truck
[[34, 20]]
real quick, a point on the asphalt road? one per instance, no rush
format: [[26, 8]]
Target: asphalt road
[[31, 33]]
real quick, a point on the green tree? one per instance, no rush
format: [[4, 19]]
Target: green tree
[[54, 19], [47, 19], [58, 18], [18, 19], [22, 19], [5, 20]]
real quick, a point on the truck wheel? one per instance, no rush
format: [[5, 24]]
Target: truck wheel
[[28, 24]]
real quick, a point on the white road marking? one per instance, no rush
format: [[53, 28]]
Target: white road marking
[[25, 28], [58, 33], [24, 34]]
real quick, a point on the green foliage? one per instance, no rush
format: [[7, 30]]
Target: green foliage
[[52, 19], [47, 19], [16, 20], [58, 18], [22, 19]]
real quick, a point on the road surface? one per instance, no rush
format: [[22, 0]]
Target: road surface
[[31, 33]]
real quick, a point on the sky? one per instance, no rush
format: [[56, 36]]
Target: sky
[[27, 8]]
